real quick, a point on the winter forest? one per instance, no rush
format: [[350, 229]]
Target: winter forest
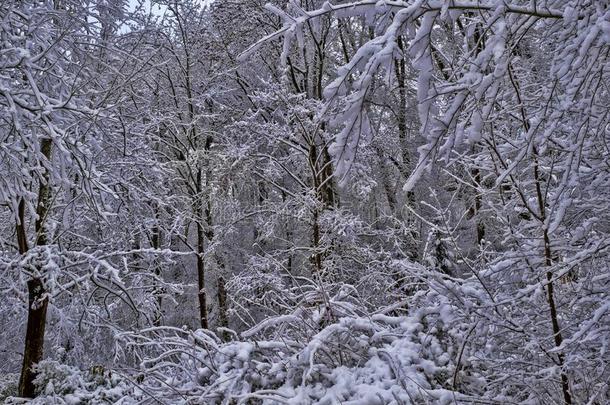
[[304, 202]]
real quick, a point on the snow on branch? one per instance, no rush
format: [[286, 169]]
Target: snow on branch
[[446, 122]]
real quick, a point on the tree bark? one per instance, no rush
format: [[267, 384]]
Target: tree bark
[[223, 318], [548, 261], [34, 338], [203, 312], [157, 289], [37, 297], [565, 384]]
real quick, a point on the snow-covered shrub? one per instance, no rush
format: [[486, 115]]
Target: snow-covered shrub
[[8, 385], [65, 385], [330, 349]]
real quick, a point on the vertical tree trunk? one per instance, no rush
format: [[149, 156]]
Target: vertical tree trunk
[[190, 131], [157, 289], [548, 256], [400, 66], [401, 119], [37, 297], [479, 44], [203, 312], [34, 337], [223, 319], [22, 239], [548, 261], [565, 385], [322, 183], [316, 257], [476, 205]]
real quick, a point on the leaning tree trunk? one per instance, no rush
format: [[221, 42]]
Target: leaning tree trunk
[[37, 295]]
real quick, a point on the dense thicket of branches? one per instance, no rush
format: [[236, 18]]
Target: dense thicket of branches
[[305, 201]]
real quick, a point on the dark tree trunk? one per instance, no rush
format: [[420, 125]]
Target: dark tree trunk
[[203, 312], [37, 296], [316, 257], [223, 319], [476, 206], [548, 261], [322, 177], [558, 338], [157, 289], [34, 338]]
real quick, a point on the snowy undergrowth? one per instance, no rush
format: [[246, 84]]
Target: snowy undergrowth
[[438, 347], [333, 350], [60, 384], [368, 359]]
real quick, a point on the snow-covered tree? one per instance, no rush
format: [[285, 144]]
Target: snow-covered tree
[[305, 201]]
